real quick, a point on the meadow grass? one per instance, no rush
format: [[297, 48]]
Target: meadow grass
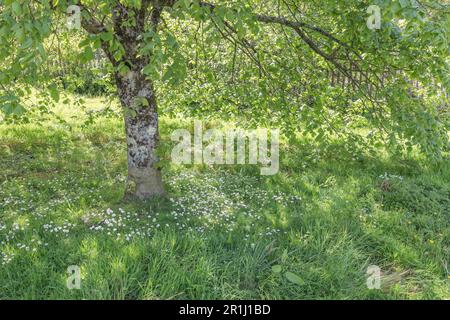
[[223, 232]]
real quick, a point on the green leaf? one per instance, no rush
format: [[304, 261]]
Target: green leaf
[[276, 268], [141, 102], [16, 8], [123, 68], [172, 41], [148, 69], [106, 36], [13, 107], [404, 3], [18, 109], [54, 92], [295, 279], [284, 256]]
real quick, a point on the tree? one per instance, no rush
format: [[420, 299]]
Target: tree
[[129, 33]]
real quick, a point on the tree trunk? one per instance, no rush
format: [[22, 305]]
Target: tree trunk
[[138, 101]]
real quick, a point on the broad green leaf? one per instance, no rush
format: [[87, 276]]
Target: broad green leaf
[[292, 277], [107, 36], [277, 268], [16, 8]]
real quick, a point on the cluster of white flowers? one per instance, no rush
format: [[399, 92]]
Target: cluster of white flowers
[[213, 202], [202, 202], [6, 258], [25, 197], [64, 228], [25, 247], [20, 204], [12, 232], [387, 176], [122, 225], [22, 198]]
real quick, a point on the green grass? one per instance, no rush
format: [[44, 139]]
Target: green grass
[[223, 232]]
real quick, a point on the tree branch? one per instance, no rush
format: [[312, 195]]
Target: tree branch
[[286, 22]]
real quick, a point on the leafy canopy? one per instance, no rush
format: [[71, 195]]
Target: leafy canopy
[[312, 67]]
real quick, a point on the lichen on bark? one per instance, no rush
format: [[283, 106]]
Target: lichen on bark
[[142, 135]]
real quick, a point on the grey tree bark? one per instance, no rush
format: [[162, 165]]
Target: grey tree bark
[[136, 93], [137, 97]]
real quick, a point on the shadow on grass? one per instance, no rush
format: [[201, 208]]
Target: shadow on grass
[[344, 216]]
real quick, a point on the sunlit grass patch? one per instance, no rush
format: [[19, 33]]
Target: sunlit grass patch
[[222, 232]]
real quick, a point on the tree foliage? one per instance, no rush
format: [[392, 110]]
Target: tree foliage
[[265, 62]]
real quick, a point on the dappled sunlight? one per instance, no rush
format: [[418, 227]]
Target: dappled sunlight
[[324, 221], [183, 149]]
